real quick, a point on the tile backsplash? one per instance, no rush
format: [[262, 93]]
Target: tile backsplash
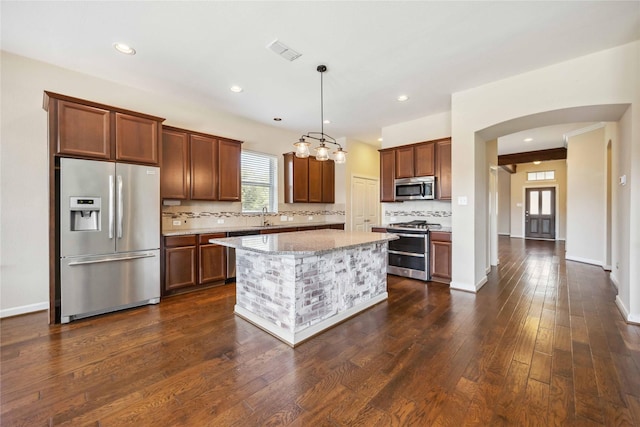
[[197, 215], [433, 211]]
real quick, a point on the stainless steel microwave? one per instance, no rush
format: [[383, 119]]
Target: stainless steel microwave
[[420, 188]]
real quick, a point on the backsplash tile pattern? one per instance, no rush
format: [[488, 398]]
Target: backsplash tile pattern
[[198, 215], [432, 211]]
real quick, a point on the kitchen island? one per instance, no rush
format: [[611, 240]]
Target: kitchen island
[[296, 285]]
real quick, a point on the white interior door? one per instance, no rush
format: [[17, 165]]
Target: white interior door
[[365, 206]]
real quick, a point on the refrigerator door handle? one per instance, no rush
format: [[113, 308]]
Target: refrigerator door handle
[[111, 259], [111, 207], [120, 207]]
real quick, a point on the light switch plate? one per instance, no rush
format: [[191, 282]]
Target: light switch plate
[[290, 218], [310, 218], [462, 200], [283, 218], [221, 221], [176, 222]]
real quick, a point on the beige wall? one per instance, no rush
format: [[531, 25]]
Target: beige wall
[[504, 202], [587, 197], [517, 197]]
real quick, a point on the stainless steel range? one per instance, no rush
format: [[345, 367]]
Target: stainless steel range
[[409, 255]]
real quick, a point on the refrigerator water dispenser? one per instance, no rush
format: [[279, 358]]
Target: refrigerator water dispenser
[[85, 213]]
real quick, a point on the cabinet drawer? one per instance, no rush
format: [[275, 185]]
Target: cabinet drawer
[[440, 236], [186, 240], [204, 238]]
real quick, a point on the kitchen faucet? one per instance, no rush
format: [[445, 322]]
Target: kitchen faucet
[[264, 212]]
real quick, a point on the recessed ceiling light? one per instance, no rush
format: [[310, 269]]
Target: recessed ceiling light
[[124, 48], [528, 139], [236, 89], [277, 119], [380, 139], [402, 98], [537, 162], [326, 121]]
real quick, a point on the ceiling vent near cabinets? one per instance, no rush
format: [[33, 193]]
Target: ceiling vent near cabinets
[[283, 50]]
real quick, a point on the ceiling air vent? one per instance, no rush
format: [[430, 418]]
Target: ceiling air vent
[[283, 50]]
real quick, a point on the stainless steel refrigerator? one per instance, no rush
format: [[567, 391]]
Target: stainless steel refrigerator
[[109, 237]]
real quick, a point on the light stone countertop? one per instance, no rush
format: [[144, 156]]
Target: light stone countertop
[[304, 243]]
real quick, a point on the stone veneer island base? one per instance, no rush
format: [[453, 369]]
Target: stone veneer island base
[[296, 285]]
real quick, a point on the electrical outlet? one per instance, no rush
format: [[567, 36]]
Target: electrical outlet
[[290, 218], [221, 221], [310, 218], [177, 222], [283, 217]]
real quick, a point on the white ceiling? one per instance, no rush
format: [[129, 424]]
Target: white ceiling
[[543, 138], [374, 51]]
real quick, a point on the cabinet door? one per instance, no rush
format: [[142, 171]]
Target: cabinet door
[[174, 176], [404, 162], [179, 267], [204, 167], [441, 261], [229, 166], [136, 139], [300, 179], [443, 170], [315, 180], [328, 181], [212, 261], [83, 131], [424, 159], [387, 175]]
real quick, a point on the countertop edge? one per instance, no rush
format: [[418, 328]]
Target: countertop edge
[[244, 228], [305, 253]]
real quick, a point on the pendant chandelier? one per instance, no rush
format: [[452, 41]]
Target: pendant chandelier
[[322, 151]]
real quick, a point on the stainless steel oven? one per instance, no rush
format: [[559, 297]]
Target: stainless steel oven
[[409, 255]]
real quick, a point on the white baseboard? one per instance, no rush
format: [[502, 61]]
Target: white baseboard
[[515, 236], [504, 234], [487, 270], [31, 308], [607, 268], [583, 260], [614, 280], [459, 286], [629, 318]]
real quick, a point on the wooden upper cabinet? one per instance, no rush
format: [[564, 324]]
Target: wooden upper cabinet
[[404, 162], [387, 175], [443, 170], [229, 153], [199, 166], [296, 179], [308, 180], [87, 129], [328, 181], [424, 159], [315, 180], [204, 167], [136, 139], [174, 179], [83, 131]]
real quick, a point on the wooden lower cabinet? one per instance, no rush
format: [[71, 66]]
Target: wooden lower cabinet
[[440, 256], [179, 262], [191, 262], [212, 260]]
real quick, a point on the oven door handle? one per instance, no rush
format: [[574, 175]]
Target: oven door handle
[[407, 254], [415, 236]]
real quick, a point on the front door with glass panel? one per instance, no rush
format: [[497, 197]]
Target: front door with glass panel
[[540, 213]]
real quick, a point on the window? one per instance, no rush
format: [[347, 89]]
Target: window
[[541, 176], [259, 182]]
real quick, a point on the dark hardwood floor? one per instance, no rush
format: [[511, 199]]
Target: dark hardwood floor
[[541, 344]]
